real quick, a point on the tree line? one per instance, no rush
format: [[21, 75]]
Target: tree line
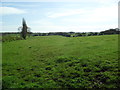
[[70, 34], [79, 34]]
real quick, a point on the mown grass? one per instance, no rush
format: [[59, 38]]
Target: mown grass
[[61, 62]]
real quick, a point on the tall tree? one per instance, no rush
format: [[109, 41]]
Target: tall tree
[[24, 29]]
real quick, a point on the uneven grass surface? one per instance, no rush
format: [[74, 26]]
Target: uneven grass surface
[[61, 62], [9, 38]]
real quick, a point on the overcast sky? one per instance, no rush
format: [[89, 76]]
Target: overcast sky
[[59, 16]]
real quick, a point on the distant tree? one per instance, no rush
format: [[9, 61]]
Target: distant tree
[[71, 32], [68, 35], [40, 34], [44, 34], [79, 34], [51, 33], [83, 34], [24, 29], [110, 31], [95, 33]]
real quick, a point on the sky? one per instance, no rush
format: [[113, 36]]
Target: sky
[[59, 16]]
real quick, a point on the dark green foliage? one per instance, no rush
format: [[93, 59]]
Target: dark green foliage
[[24, 29], [111, 31]]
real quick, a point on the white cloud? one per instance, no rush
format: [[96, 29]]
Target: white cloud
[[47, 28], [60, 28], [111, 11], [41, 22], [92, 20], [10, 10], [83, 28], [63, 19], [9, 28], [66, 12], [103, 11], [103, 1], [99, 16]]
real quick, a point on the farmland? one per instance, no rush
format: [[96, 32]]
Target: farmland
[[61, 62]]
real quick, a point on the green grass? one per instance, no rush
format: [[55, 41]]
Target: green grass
[[8, 38], [61, 62]]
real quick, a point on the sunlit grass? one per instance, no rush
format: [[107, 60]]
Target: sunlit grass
[[61, 62]]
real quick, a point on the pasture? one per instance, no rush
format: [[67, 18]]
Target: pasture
[[61, 62]]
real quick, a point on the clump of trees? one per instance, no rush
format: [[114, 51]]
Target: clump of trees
[[111, 31], [79, 34]]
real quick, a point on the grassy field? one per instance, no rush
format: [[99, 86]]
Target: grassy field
[[61, 62]]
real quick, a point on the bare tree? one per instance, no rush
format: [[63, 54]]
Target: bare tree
[[24, 29]]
